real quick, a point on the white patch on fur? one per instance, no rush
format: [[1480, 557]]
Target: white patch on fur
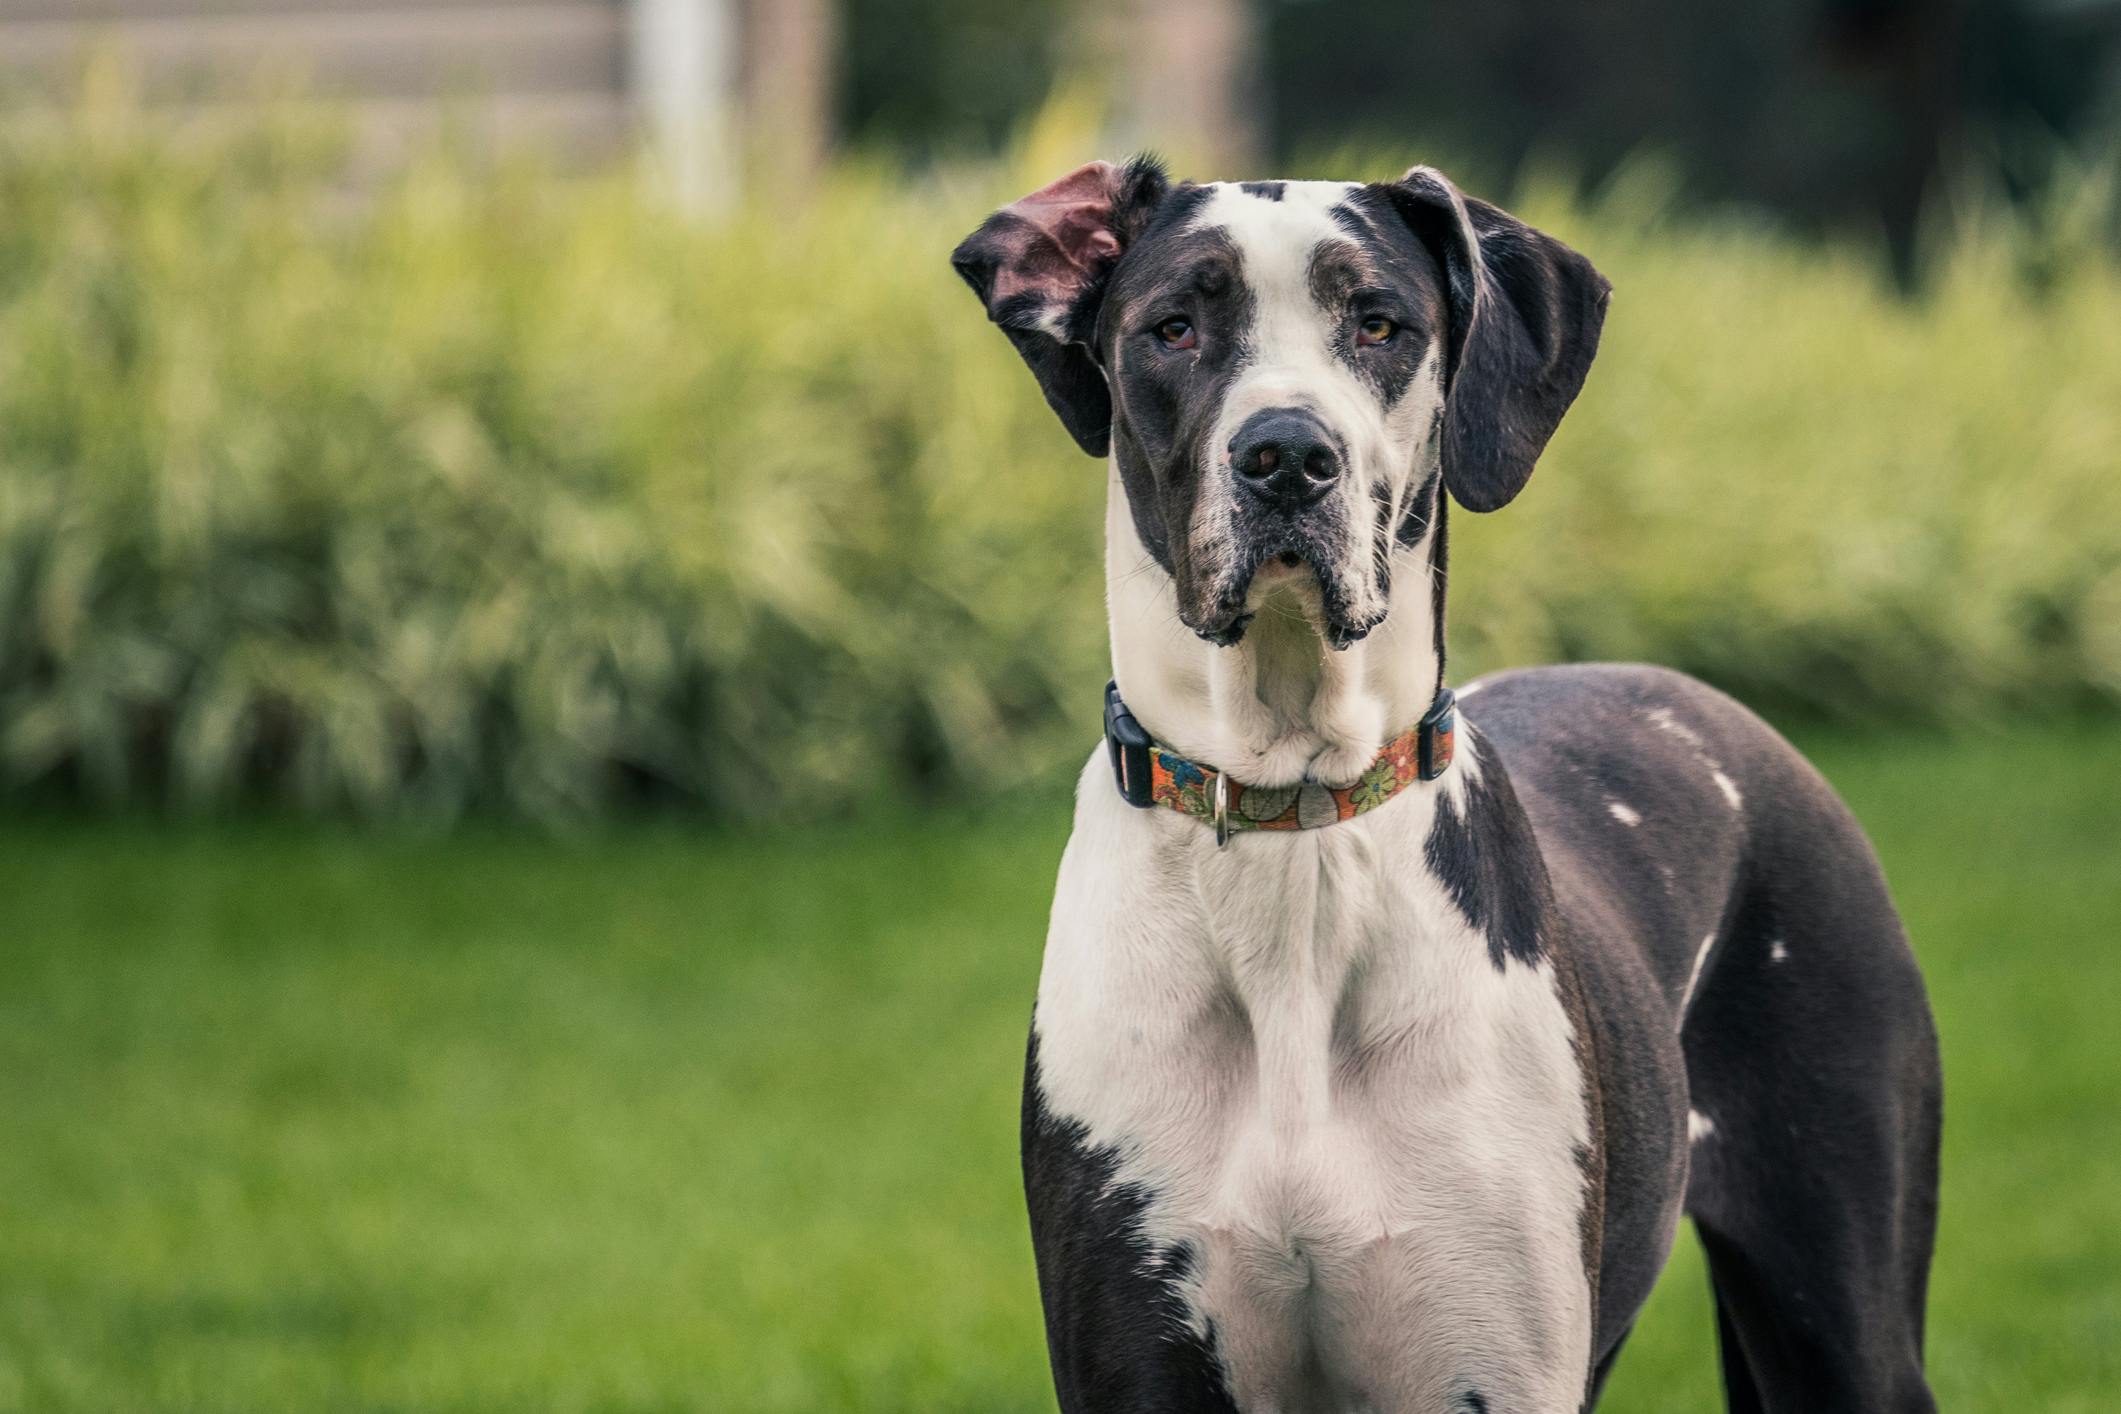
[[1662, 719], [1698, 1126], [1626, 814], [1303, 1054], [1701, 958], [1727, 786], [1778, 951], [1469, 689]]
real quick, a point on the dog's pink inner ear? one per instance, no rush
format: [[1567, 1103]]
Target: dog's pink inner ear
[[1061, 236]]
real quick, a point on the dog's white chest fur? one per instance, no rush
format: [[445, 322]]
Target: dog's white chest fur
[[1367, 1135]]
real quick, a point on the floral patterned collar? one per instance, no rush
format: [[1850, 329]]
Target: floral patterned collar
[[1148, 774]]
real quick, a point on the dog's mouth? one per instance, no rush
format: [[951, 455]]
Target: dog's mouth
[[1298, 567]]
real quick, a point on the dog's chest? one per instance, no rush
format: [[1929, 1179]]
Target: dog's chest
[[1365, 1135]]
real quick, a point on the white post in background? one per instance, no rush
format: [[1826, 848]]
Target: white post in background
[[791, 48], [682, 74], [1189, 79]]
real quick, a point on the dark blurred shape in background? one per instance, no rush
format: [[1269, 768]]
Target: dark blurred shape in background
[[1831, 111], [1836, 113]]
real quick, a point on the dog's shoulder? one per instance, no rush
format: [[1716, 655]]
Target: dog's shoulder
[[1628, 742], [1632, 744], [1586, 702]]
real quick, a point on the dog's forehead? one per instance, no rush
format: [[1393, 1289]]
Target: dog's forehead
[[1277, 227]]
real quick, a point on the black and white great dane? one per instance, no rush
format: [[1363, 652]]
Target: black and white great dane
[[1400, 1113]]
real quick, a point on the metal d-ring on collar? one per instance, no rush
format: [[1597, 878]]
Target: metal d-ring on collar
[[1222, 809]]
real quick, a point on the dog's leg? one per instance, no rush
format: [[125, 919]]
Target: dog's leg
[[1812, 1069]]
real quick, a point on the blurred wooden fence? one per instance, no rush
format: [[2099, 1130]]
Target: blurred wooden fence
[[706, 78], [722, 86]]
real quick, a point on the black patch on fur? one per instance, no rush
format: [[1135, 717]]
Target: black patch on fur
[[1387, 272], [1270, 191], [1475, 1402], [1490, 864], [1383, 535], [1116, 1327], [1439, 571], [1166, 401]]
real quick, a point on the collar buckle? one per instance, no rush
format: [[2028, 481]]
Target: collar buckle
[[1128, 746], [1437, 740]]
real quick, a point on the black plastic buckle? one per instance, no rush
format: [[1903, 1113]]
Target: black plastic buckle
[[1437, 740], [1128, 746]]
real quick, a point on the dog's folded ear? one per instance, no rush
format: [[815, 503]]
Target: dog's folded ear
[[1525, 314], [1040, 265]]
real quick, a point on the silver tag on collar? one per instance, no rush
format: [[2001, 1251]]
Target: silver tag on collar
[[1222, 809]]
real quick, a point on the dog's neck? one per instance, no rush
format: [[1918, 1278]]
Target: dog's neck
[[1280, 705]]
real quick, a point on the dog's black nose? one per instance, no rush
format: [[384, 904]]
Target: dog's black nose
[[1285, 457]]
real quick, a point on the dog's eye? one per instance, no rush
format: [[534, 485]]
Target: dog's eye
[[1177, 334], [1376, 330]]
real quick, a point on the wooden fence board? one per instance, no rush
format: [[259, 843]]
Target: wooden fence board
[[555, 46]]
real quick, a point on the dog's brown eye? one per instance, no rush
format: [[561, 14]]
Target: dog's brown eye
[[1375, 330], [1177, 334]]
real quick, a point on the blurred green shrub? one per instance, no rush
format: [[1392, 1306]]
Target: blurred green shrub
[[495, 491]]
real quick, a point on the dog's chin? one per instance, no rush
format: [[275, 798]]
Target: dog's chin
[[1338, 620], [1320, 593], [1224, 625]]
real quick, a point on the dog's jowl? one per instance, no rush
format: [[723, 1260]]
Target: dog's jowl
[[1384, 1034]]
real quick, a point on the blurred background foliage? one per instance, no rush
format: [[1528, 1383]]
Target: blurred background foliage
[[487, 489]]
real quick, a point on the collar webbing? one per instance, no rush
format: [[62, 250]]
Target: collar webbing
[[1148, 774]]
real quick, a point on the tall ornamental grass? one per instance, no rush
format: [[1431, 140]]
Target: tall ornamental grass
[[490, 490]]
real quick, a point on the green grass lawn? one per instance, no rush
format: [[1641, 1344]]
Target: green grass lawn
[[299, 1119]]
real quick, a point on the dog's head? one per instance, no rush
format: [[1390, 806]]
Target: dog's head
[[1283, 369]]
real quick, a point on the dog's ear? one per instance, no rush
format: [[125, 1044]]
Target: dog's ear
[[1040, 264], [1525, 312]]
